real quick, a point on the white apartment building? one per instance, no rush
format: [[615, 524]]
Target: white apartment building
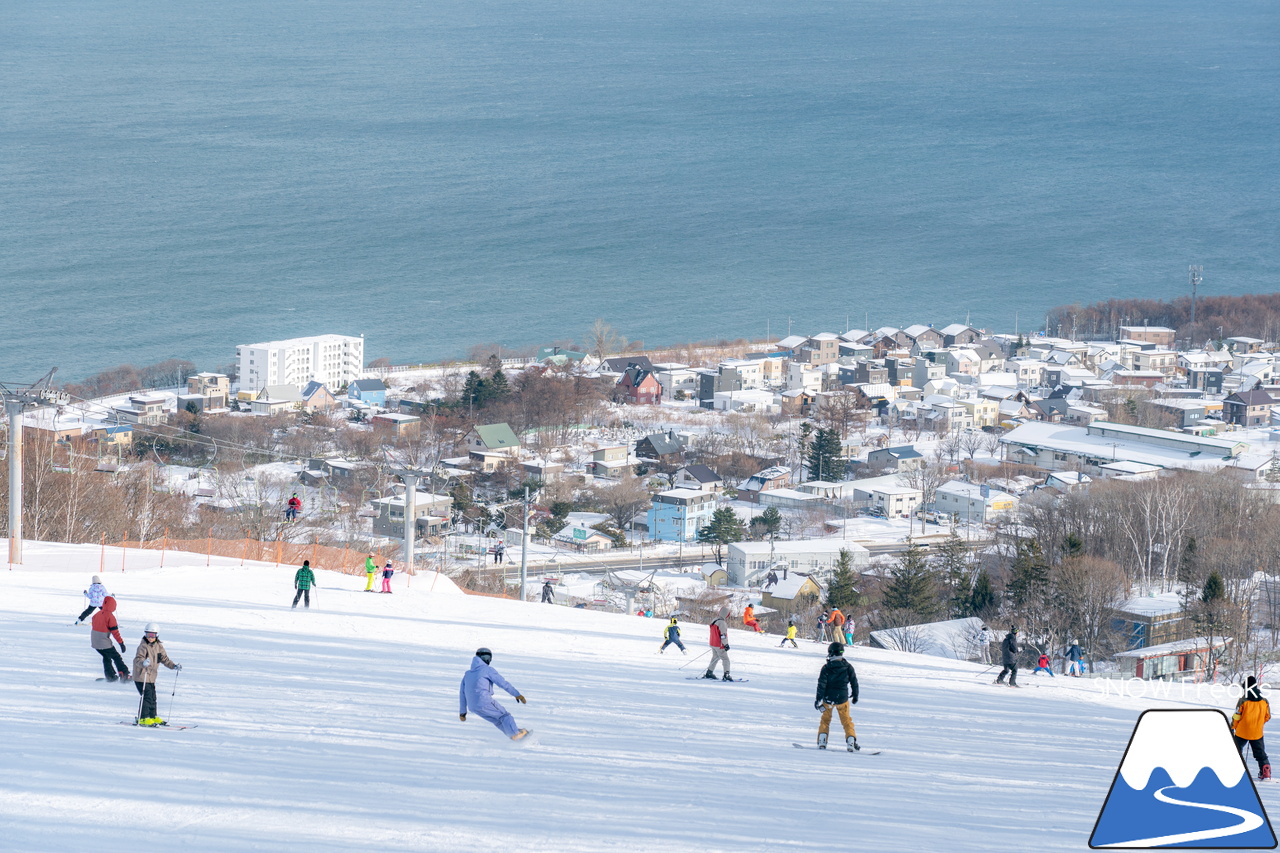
[[331, 359]]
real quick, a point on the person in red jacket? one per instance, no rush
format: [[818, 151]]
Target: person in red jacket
[[294, 507], [719, 644], [104, 628]]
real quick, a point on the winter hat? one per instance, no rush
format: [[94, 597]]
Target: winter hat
[[1251, 689], [306, 564], [1013, 629], [724, 611], [97, 579], [484, 654], [835, 650]]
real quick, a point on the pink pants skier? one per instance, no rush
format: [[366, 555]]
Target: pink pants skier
[[387, 572]]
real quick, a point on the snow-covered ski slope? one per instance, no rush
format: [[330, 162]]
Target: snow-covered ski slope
[[336, 729]]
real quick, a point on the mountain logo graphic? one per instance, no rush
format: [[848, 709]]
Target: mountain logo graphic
[[1182, 783]]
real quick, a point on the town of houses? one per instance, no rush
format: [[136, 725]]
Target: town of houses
[[1005, 417]]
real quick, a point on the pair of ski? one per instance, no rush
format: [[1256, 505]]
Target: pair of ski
[[730, 680], [165, 726]]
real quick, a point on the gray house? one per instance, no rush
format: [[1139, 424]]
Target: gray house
[[905, 458]]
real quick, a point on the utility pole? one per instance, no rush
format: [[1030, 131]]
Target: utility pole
[[1195, 274], [524, 546], [16, 400]]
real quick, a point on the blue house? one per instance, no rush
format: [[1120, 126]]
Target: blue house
[[370, 391], [678, 514]]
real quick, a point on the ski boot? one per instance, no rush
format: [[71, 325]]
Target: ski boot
[[520, 735], [852, 743], [1264, 772], [822, 740], [726, 677], [709, 674]]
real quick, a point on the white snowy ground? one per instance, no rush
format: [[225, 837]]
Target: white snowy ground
[[336, 729]]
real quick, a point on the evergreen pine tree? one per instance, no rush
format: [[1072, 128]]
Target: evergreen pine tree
[[842, 592], [982, 598], [1214, 589], [498, 386], [1029, 582], [954, 568], [913, 588], [724, 527], [824, 456], [472, 390]]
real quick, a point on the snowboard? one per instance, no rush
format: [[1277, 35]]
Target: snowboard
[[731, 681], [166, 726], [835, 749]]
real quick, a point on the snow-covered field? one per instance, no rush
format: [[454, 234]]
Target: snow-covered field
[[336, 729]]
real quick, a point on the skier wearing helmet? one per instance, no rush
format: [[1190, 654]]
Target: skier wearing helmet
[[476, 694], [837, 690], [146, 662], [95, 593]]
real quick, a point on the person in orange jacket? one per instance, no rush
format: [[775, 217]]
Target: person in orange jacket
[[749, 619], [835, 623], [1251, 715]]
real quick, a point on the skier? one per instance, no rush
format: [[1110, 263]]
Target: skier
[[303, 580], [145, 668], [95, 593], [791, 635], [1042, 665], [836, 625], [104, 628], [1072, 653], [476, 693], [387, 572], [548, 594], [1252, 713], [749, 619], [984, 645], [822, 627], [848, 631], [293, 508], [719, 644], [370, 569], [672, 634], [1009, 657], [837, 690]]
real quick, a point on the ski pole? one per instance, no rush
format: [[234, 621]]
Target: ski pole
[[686, 663], [176, 673], [141, 696]]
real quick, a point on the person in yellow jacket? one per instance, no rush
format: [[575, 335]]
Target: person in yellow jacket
[[791, 635], [1251, 715], [370, 569]]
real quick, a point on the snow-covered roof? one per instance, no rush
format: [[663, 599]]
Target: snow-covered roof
[[1174, 648], [1152, 605]]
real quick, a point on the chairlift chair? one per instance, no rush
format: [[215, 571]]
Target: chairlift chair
[[60, 461]]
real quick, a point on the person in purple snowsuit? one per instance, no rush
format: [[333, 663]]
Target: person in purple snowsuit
[[476, 694]]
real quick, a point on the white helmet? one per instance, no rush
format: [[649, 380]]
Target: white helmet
[[97, 579], [151, 628]]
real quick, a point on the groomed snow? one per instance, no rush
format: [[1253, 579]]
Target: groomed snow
[[336, 729]]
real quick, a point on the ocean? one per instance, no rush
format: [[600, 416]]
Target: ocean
[[179, 178]]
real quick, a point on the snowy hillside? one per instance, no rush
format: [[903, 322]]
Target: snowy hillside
[[337, 729]]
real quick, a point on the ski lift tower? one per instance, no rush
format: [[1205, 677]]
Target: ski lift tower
[[17, 399], [410, 476], [628, 588]]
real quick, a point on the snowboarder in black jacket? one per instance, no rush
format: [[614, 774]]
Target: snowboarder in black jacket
[[837, 690], [1009, 657]]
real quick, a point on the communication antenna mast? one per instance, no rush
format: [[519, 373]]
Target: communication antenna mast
[[18, 398], [1195, 274]]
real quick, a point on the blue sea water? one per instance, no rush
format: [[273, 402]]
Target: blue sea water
[[178, 178]]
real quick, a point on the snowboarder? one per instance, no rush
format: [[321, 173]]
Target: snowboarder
[[476, 693], [1042, 665], [387, 571], [672, 634], [292, 508], [370, 569], [791, 635], [1252, 713], [837, 690], [95, 593], [1009, 657], [146, 662], [303, 580], [548, 594], [1075, 658], [719, 644], [749, 619], [104, 628]]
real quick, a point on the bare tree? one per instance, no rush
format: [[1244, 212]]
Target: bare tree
[[602, 340]]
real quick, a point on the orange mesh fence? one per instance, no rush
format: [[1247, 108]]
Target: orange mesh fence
[[347, 560]]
